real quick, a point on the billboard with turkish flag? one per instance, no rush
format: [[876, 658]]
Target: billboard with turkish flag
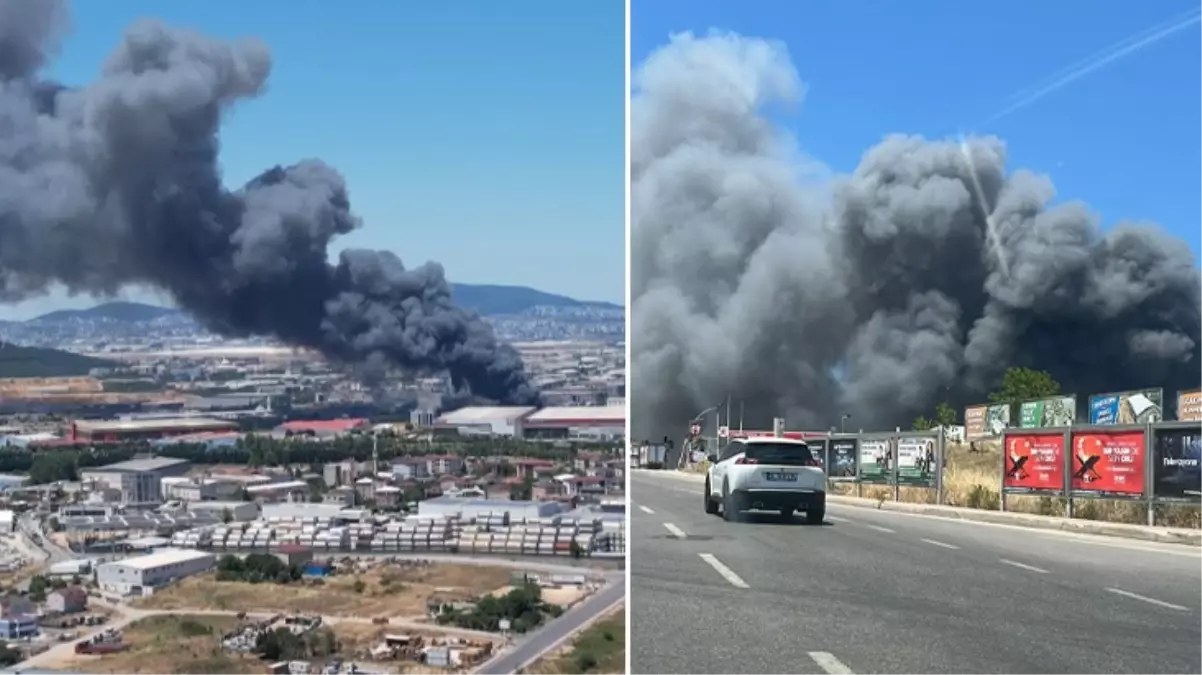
[[1109, 463], [1034, 463]]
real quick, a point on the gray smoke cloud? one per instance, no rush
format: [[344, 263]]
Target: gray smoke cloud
[[117, 183], [880, 293]]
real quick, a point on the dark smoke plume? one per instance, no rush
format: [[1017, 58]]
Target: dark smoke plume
[[878, 294], [117, 183]]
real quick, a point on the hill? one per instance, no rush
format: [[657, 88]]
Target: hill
[[17, 361], [486, 299], [111, 311]]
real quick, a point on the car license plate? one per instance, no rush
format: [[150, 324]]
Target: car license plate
[[779, 475]]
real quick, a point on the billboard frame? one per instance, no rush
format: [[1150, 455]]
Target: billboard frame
[[1153, 432], [1091, 397], [1065, 465], [985, 407], [1018, 405], [1177, 405]]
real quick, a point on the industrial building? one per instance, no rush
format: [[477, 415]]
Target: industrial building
[[484, 420], [139, 481], [324, 428], [143, 574], [595, 423], [468, 509], [240, 512], [115, 431]]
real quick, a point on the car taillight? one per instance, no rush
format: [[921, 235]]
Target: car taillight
[[812, 462], [746, 460]]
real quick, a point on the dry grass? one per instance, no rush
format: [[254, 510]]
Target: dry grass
[[171, 644], [388, 590], [973, 479], [600, 648]]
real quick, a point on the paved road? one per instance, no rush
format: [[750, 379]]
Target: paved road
[[554, 634], [884, 592]]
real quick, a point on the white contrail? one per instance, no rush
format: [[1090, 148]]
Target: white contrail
[[1099, 60], [986, 210]]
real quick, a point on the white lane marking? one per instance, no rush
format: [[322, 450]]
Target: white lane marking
[[829, 663], [726, 572], [646, 510], [1154, 601], [878, 528], [676, 531], [836, 519], [934, 542], [1022, 566]]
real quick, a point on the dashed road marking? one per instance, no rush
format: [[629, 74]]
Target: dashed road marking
[[827, 662], [836, 519], [676, 531], [878, 528], [726, 572], [936, 542], [1023, 566], [1153, 601], [646, 510]]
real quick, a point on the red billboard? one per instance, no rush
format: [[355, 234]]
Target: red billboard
[[1034, 463], [1109, 462]]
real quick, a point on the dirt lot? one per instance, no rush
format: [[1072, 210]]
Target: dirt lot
[[389, 590], [168, 644], [600, 648], [357, 640]]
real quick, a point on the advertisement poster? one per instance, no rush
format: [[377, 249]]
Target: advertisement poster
[[875, 458], [818, 450], [1176, 472], [1144, 406], [1189, 405], [916, 461], [1108, 463], [1057, 411], [984, 422], [1034, 464], [841, 456]]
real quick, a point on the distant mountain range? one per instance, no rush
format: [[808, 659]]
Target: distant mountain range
[[486, 299]]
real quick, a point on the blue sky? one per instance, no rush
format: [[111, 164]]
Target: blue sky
[[487, 136], [1125, 139]]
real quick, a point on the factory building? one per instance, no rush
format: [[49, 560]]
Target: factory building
[[239, 512], [323, 428], [143, 574], [446, 507], [594, 423], [139, 481], [485, 420], [287, 491], [115, 431]]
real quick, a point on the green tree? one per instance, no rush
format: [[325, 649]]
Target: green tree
[[1024, 383], [945, 415], [922, 423]]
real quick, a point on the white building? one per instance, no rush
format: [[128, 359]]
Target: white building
[[143, 574], [445, 507], [239, 512], [595, 423], [490, 420]]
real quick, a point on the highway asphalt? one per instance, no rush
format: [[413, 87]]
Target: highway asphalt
[[875, 591], [552, 635]]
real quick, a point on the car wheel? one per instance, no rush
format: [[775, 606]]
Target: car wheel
[[730, 504], [816, 513], [711, 507]]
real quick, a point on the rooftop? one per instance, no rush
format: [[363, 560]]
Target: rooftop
[[575, 414], [147, 464], [109, 426], [484, 414], [324, 425], [170, 556]]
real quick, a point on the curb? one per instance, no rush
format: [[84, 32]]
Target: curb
[[1163, 535]]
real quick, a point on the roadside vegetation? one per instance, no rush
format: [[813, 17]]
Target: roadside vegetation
[[523, 607], [600, 648]]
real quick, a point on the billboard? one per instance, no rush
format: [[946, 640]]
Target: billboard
[[875, 457], [1108, 463], [986, 421], [1140, 406], [1176, 471], [842, 458], [1054, 411], [1189, 405], [1034, 463], [916, 461]]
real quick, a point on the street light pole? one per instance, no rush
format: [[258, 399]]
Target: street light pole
[[843, 422]]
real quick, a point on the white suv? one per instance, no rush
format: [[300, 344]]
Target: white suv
[[770, 474]]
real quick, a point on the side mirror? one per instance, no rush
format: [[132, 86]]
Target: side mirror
[[712, 459]]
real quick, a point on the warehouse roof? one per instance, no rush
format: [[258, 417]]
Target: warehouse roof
[[484, 415], [147, 464], [170, 556], [607, 414], [109, 426]]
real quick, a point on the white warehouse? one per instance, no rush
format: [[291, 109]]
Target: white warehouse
[[485, 420], [467, 509], [143, 574]]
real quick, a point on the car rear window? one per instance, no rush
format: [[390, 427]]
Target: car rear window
[[783, 454]]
